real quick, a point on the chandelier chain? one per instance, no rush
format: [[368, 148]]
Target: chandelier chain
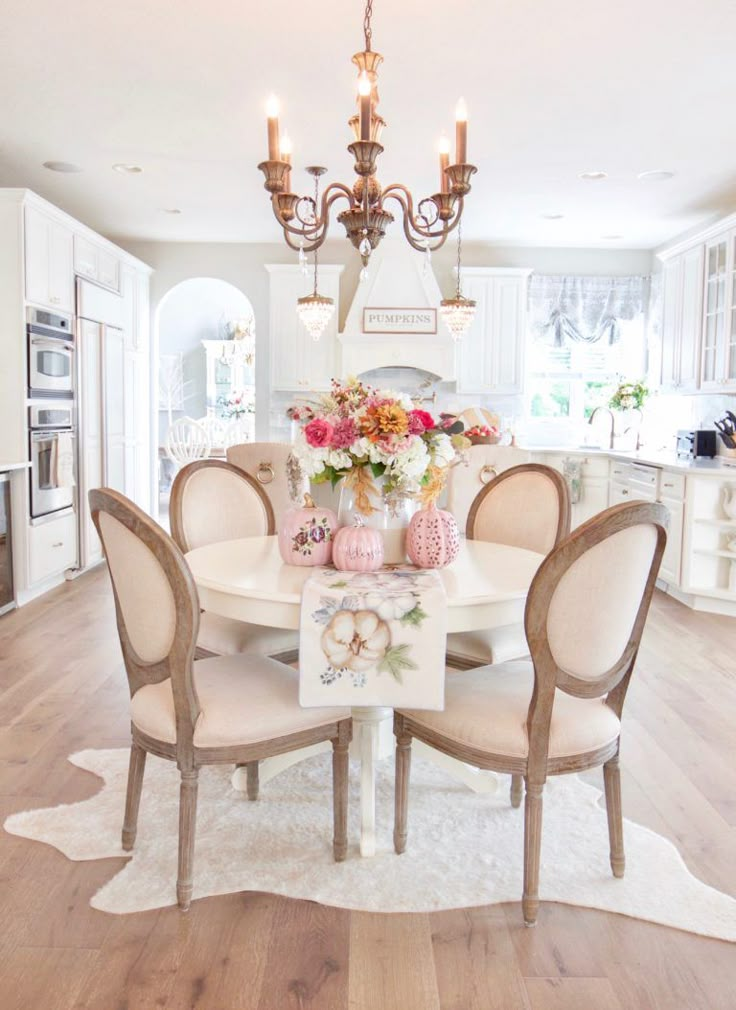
[[459, 255], [367, 30], [316, 256]]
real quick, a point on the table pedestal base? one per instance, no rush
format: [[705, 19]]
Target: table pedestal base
[[373, 741]]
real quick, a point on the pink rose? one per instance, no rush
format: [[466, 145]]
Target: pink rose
[[318, 433], [420, 421]]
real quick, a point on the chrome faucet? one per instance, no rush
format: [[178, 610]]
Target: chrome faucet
[[613, 422]]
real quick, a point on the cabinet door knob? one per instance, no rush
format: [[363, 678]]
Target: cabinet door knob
[[59, 543]]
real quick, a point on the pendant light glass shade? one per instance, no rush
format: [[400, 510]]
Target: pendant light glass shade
[[315, 311], [457, 314]]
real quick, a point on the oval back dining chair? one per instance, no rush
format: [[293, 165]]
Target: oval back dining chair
[[225, 710], [274, 467], [187, 440], [525, 506], [482, 464], [211, 501], [561, 712], [239, 430]]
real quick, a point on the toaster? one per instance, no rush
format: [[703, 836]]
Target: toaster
[[696, 444]]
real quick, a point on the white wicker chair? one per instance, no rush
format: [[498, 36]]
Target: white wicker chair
[[186, 441]]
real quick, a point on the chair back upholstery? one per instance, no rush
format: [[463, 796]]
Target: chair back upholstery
[[525, 506], [156, 602], [587, 606], [186, 440], [212, 500], [277, 471], [482, 464]]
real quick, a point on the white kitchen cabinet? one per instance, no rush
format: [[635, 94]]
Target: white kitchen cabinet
[[96, 263], [52, 548], [49, 277], [491, 353], [297, 361], [682, 320], [593, 496], [670, 568], [719, 266]]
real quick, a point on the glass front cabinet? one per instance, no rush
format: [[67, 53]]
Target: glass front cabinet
[[718, 359]]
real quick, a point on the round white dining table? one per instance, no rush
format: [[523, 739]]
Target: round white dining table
[[247, 580]]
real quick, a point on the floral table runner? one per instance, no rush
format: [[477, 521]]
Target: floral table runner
[[373, 638]]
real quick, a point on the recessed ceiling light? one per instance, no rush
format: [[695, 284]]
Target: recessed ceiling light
[[655, 175], [127, 169], [552, 217], [611, 237], [593, 176], [62, 166], [171, 210]]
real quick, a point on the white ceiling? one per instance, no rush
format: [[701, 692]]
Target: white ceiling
[[554, 88]]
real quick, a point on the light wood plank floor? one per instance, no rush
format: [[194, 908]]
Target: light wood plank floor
[[62, 688]]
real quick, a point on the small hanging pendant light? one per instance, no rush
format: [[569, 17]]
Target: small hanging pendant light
[[458, 313], [315, 310]]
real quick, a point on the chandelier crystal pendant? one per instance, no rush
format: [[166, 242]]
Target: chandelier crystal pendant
[[458, 312], [305, 222], [315, 310]]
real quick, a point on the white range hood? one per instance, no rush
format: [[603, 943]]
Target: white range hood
[[394, 321]]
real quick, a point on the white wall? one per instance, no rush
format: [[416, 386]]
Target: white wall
[[191, 312]]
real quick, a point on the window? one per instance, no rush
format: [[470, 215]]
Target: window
[[571, 369]]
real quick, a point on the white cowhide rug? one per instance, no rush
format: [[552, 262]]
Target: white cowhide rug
[[464, 848]]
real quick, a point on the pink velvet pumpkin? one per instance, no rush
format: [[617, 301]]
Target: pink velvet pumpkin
[[433, 539], [358, 548], [306, 535]]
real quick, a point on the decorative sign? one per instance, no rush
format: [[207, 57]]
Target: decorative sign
[[399, 320]]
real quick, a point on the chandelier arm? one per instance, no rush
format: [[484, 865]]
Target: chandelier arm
[[324, 223], [317, 231], [412, 229]]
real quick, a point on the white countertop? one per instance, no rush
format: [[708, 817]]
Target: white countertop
[[720, 466], [4, 467]]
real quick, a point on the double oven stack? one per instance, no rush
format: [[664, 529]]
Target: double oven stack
[[51, 414]]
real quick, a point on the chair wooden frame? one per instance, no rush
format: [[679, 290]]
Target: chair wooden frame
[[178, 666], [179, 486], [563, 530], [548, 677]]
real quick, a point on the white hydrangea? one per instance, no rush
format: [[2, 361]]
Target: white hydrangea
[[339, 459], [443, 451], [413, 462], [403, 399]]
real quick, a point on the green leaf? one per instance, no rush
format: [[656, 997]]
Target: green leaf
[[414, 617], [395, 661], [378, 469], [320, 478], [339, 585]]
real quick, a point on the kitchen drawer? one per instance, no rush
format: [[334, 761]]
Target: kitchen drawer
[[619, 471], [52, 548], [618, 493], [647, 476], [672, 485]]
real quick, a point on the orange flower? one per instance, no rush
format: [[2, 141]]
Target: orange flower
[[385, 419]]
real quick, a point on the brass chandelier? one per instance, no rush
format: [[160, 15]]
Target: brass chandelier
[[305, 222]]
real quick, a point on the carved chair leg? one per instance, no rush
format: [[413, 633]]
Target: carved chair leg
[[251, 771], [340, 791], [401, 794], [612, 783], [133, 796], [517, 790], [532, 849], [187, 823]]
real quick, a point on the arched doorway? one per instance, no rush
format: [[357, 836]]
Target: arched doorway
[[205, 331]]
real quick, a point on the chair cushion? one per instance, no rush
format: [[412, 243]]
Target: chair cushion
[[497, 645], [243, 699], [486, 708], [225, 636]]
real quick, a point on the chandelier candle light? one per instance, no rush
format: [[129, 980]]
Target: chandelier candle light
[[305, 223]]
